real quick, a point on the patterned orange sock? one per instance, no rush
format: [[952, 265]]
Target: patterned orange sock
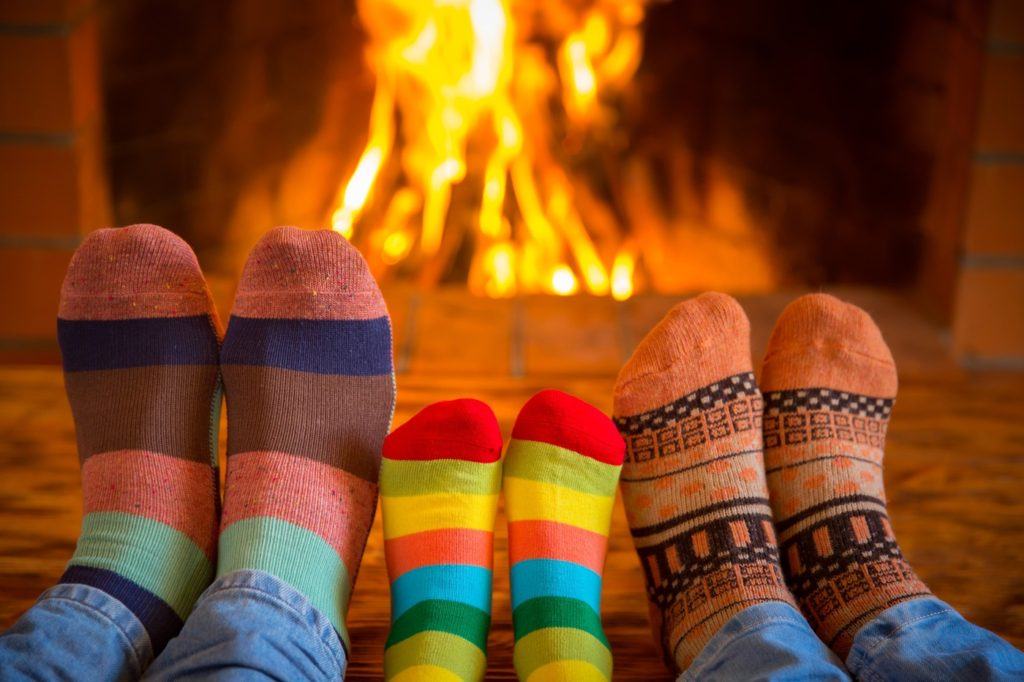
[[693, 480], [829, 384]]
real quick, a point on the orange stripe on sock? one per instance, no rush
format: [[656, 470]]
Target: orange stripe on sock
[[860, 529], [553, 540], [167, 489], [325, 500], [822, 541], [463, 546], [740, 533], [701, 547]]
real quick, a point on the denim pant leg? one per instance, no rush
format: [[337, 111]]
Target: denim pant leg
[[249, 625], [769, 641], [75, 632], [926, 639]]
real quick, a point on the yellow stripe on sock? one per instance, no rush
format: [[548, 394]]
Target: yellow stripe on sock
[[528, 500], [426, 673], [415, 514], [558, 671]]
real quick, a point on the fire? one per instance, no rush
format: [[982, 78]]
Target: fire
[[464, 96]]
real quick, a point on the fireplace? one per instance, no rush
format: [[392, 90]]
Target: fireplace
[[511, 148]]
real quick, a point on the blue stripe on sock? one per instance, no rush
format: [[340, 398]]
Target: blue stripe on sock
[[159, 619], [553, 578], [347, 347], [469, 585], [118, 344]]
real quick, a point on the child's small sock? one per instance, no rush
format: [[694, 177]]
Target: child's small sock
[[138, 335], [439, 491], [693, 483], [310, 394], [560, 476], [829, 385]]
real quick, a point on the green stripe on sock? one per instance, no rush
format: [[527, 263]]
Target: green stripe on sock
[[151, 554], [538, 648], [539, 461], [297, 556], [557, 612], [405, 477], [442, 616], [442, 649]]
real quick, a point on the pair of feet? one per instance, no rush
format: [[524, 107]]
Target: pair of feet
[[306, 365], [734, 499], [440, 479]]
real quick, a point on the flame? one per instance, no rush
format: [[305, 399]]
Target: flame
[[563, 282], [622, 275], [472, 86]]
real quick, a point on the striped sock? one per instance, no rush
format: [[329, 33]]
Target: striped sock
[[439, 490], [561, 472], [310, 393], [829, 384], [138, 335]]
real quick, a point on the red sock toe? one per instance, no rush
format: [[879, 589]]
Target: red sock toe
[[560, 419], [453, 429]]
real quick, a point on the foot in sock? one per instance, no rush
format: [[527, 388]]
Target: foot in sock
[[829, 382], [138, 335], [560, 475], [439, 493], [310, 393], [693, 482]]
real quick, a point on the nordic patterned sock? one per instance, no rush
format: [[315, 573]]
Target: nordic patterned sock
[[560, 475], [693, 483], [138, 335], [310, 394], [439, 494], [829, 385]]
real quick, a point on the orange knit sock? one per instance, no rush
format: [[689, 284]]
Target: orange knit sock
[[829, 383], [693, 481]]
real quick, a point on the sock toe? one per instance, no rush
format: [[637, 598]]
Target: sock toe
[[139, 271], [463, 429], [295, 273], [699, 341], [820, 341], [560, 419]]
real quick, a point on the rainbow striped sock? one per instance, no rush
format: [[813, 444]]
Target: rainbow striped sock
[[439, 493], [310, 393], [138, 335], [561, 472]]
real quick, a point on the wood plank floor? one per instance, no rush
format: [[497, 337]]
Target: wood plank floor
[[954, 473]]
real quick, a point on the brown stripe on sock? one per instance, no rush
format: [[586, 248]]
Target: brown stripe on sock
[[143, 408], [702, 517], [333, 419]]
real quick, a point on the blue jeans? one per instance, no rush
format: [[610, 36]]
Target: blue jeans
[[923, 639], [248, 625]]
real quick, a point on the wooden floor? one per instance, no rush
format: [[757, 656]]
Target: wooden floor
[[955, 461]]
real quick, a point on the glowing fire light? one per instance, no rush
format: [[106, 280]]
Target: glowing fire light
[[473, 97], [563, 282], [622, 275]]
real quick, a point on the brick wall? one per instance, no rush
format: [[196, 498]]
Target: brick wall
[[988, 314], [52, 179]]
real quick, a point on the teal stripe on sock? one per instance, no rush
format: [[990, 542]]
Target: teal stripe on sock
[[151, 554], [554, 578], [297, 556], [447, 582]]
